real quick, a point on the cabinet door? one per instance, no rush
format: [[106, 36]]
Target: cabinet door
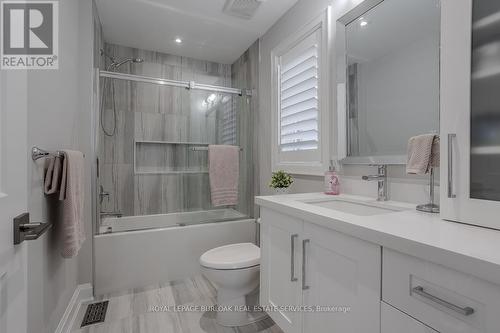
[[341, 272], [280, 268], [470, 112], [395, 321]]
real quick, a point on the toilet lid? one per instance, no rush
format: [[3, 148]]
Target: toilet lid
[[232, 256]]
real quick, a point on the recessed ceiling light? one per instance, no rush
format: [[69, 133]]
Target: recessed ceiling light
[[363, 23], [178, 40]]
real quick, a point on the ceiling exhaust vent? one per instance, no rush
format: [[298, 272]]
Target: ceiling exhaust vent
[[244, 9]]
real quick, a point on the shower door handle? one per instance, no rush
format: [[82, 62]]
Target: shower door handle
[[293, 278], [451, 137]]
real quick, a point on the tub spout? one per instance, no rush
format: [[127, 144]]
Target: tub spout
[[111, 214]]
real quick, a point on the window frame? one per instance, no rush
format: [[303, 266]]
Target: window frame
[[306, 162]]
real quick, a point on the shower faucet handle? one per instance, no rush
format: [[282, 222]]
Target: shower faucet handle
[[103, 194]]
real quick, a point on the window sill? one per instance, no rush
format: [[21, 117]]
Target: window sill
[[301, 169]]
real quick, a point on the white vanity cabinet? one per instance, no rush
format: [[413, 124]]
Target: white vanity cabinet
[[470, 112], [280, 278], [344, 272], [308, 265]]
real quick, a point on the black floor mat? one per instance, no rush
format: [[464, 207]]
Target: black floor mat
[[96, 313]]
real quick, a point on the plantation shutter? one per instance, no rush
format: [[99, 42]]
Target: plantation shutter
[[298, 80]]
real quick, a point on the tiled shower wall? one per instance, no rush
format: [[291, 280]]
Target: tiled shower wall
[[148, 165]]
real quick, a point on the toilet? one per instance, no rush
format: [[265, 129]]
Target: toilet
[[234, 271]]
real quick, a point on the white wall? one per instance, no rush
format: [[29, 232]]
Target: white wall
[[58, 118], [401, 187], [401, 87]]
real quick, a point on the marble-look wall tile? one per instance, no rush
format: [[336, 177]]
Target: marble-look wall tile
[[196, 196], [148, 198], [98, 61], [117, 149], [118, 179], [172, 193], [201, 129], [160, 127], [164, 158]]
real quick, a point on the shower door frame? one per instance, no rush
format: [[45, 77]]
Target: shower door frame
[[98, 74]]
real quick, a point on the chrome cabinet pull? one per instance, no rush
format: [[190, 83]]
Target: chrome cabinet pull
[[304, 259], [451, 137], [293, 278], [466, 311]]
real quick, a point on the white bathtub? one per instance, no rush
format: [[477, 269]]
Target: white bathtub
[[139, 251], [132, 223]]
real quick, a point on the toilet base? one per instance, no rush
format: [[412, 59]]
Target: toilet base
[[231, 309], [235, 311]]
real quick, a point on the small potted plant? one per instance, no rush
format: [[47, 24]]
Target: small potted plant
[[280, 182]]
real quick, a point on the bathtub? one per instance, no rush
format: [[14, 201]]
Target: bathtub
[[138, 251]]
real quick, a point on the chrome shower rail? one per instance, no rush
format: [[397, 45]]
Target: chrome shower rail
[[174, 83]]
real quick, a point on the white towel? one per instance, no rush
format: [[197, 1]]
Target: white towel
[[71, 195], [423, 154]]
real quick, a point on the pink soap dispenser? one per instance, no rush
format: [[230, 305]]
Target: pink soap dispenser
[[332, 184]]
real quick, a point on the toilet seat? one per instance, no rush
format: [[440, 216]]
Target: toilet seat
[[233, 256]]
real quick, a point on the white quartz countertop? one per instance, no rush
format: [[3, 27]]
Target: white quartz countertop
[[465, 248]]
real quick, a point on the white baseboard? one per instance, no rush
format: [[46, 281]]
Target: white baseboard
[[83, 293]]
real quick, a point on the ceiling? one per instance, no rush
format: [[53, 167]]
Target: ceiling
[[207, 32]]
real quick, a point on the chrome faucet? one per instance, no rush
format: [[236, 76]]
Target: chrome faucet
[[382, 182]]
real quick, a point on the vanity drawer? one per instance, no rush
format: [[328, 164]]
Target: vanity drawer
[[442, 298], [395, 321]]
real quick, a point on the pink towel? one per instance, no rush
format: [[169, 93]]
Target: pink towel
[[71, 195], [53, 168], [423, 154], [223, 169]]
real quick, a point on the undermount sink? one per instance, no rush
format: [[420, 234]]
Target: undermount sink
[[354, 207]]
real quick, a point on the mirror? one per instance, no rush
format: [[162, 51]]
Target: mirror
[[387, 78]]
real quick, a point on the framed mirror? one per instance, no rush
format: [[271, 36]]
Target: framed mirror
[[387, 78]]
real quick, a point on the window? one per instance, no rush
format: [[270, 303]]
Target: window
[[299, 97], [300, 104], [228, 122]]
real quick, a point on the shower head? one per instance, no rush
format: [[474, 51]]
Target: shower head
[[120, 63]]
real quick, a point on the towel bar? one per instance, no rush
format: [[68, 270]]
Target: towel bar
[[430, 207], [37, 153], [204, 149]]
